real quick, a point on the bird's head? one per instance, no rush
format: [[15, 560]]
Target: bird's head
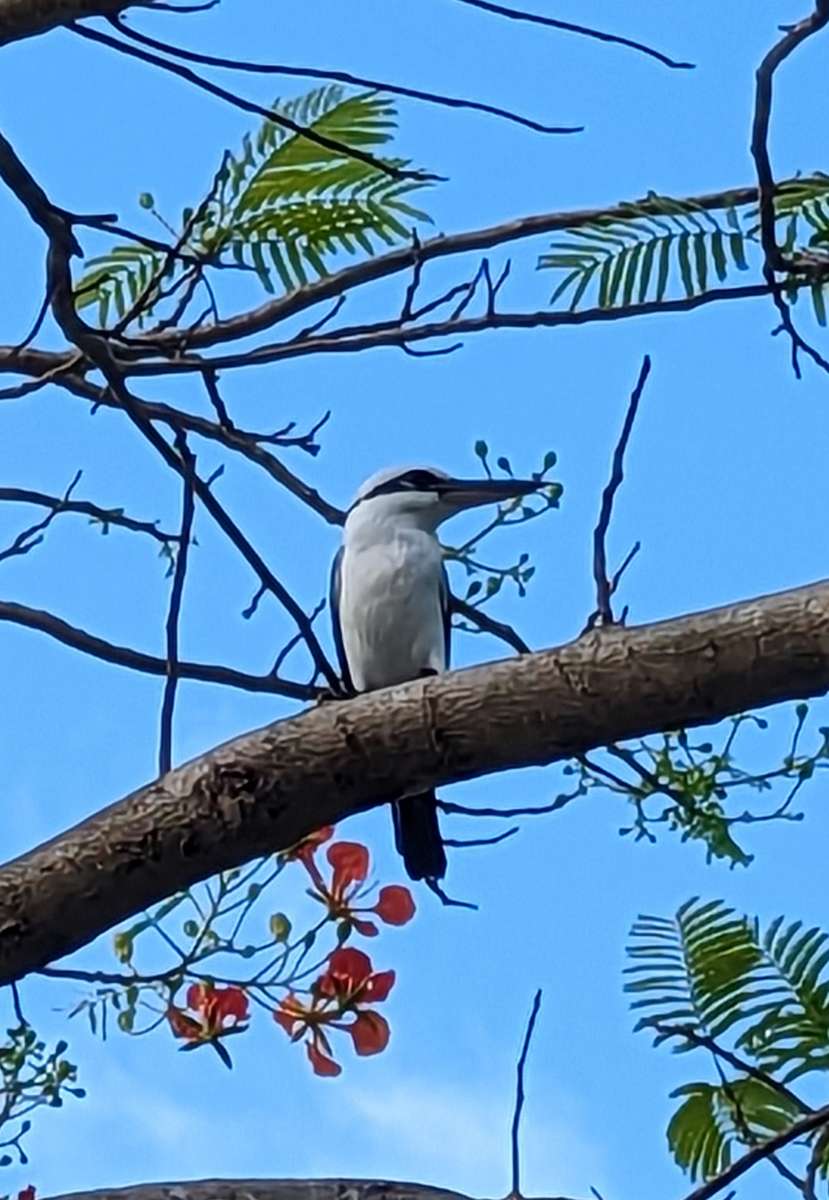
[[425, 497]]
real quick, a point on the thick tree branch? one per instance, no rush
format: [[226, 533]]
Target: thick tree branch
[[274, 1189], [264, 791], [24, 18]]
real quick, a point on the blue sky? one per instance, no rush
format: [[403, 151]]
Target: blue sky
[[726, 487]]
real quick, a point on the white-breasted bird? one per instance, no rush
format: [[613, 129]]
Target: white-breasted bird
[[390, 606]]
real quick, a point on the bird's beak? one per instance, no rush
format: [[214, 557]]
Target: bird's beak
[[467, 493]]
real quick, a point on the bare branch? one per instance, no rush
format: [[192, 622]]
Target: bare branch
[[515, 14], [137, 660], [278, 118], [404, 258], [357, 338], [775, 260], [165, 747], [515, 1156], [603, 614], [393, 89], [106, 516]]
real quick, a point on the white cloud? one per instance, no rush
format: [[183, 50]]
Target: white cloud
[[459, 1138]]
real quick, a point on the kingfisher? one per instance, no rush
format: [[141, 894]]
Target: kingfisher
[[390, 607]]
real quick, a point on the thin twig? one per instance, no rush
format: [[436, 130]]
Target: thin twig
[[461, 843], [165, 743], [530, 810], [28, 538], [278, 118], [357, 338], [515, 1190], [515, 14], [393, 89], [106, 516], [148, 664], [604, 589]]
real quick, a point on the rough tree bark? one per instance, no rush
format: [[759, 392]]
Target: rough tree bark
[[25, 18], [271, 1189], [265, 790]]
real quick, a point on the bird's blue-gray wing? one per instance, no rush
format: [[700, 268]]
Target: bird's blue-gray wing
[[336, 627], [446, 609]]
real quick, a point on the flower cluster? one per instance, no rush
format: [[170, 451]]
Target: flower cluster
[[346, 988]]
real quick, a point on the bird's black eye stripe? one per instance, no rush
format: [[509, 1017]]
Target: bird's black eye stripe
[[412, 481]]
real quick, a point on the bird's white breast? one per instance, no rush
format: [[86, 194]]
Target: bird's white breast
[[390, 606]]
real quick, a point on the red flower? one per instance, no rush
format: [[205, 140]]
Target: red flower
[[215, 1013], [27, 1193], [350, 865], [351, 980], [347, 985]]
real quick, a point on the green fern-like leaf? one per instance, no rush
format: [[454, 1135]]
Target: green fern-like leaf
[[114, 281], [663, 245], [713, 1119], [289, 205], [790, 1034], [694, 971]]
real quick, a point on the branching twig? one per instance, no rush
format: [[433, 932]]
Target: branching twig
[[604, 587], [28, 538], [106, 516], [774, 260]]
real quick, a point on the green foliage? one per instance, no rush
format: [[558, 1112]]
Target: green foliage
[[662, 246], [31, 1076], [758, 1001], [115, 280], [693, 789], [714, 1118], [282, 206]]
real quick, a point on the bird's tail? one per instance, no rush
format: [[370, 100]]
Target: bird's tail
[[417, 836]]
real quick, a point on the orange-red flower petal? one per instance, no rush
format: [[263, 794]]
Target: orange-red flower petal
[[369, 1032], [378, 986], [350, 861], [321, 1063], [395, 905]]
